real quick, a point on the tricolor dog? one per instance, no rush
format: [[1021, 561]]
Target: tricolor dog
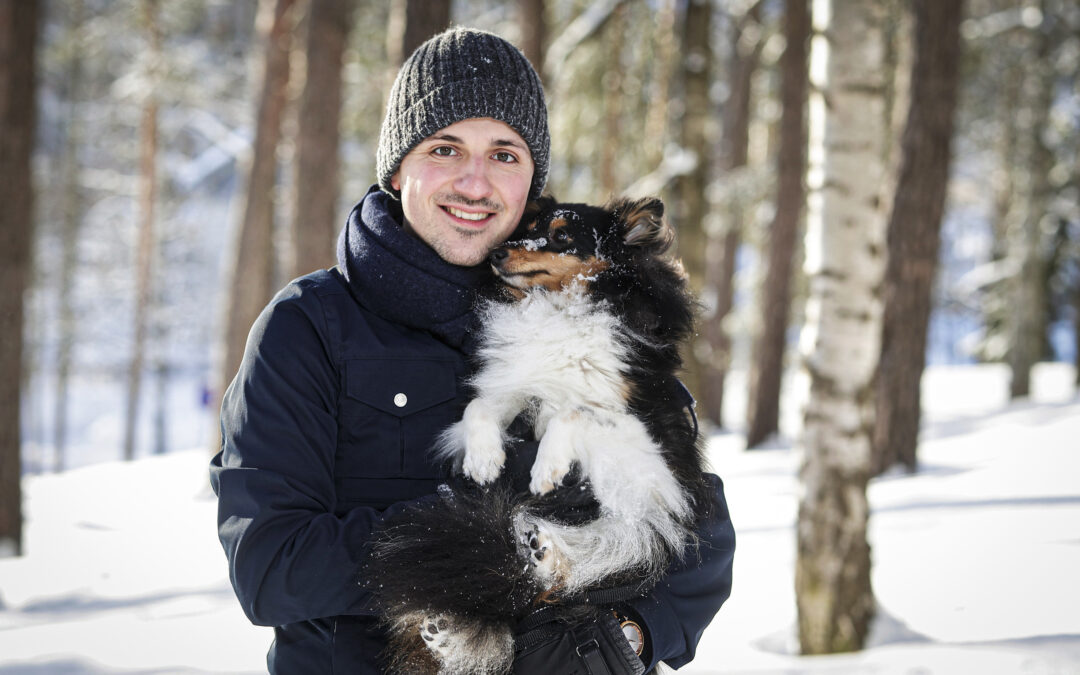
[[582, 342]]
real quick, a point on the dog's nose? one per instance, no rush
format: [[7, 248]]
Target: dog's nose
[[498, 256]]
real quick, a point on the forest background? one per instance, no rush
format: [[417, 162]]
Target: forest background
[[860, 188]]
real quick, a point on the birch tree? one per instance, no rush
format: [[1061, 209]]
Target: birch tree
[[840, 342]]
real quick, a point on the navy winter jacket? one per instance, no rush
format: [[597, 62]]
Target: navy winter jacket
[[347, 377]]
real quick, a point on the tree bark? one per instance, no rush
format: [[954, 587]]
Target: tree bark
[[723, 247], [18, 112], [532, 26], [767, 365], [840, 342], [613, 102], [315, 221], [71, 213], [250, 279], [1028, 315], [412, 22], [144, 252], [692, 188], [914, 230]]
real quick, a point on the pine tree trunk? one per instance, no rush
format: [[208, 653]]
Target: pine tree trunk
[[412, 22], [1028, 314], [318, 181], [840, 343], [767, 366], [144, 252], [723, 247], [692, 188], [250, 279], [914, 230], [72, 221], [613, 102], [18, 43], [532, 26], [656, 119]]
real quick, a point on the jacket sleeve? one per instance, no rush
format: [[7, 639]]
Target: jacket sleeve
[[684, 602], [291, 558]]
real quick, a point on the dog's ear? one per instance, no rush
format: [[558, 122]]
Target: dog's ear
[[643, 224], [534, 207]]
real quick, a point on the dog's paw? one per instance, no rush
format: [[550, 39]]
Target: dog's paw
[[438, 635], [483, 465], [484, 454], [540, 551]]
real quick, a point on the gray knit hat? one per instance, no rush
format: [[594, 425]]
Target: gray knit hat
[[456, 75]]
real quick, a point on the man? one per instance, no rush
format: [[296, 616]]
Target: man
[[351, 372]]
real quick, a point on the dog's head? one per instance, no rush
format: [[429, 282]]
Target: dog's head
[[558, 245]]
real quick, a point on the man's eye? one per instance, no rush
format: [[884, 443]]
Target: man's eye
[[506, 157], [444, 151]]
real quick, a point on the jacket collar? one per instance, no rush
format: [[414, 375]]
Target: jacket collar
[[402, 279]]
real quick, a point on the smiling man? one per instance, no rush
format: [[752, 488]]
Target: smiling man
[[351, 373]]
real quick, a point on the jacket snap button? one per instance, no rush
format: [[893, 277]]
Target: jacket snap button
[[400, 400]]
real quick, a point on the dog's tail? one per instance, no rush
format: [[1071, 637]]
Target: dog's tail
[[455, 555]]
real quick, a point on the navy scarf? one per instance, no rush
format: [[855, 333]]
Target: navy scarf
[[402, 279]]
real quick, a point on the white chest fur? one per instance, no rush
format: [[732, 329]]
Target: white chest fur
[[562, 349]]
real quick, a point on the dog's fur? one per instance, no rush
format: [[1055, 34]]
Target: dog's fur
[[585, 343]]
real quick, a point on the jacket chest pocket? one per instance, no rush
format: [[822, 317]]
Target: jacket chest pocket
[[392, 412]]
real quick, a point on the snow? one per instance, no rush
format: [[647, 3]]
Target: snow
[[975, 556]]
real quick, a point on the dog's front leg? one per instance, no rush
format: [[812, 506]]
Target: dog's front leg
[[482, 436], [557, 450]]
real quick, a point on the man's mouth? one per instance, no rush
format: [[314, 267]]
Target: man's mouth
[[471, 216]]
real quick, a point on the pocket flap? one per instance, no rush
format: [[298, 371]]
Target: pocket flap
[[400, 387]]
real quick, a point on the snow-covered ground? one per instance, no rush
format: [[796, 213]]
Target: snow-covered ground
[[976, 557]]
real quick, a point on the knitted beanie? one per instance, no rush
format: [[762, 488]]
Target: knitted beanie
[[456, 75]]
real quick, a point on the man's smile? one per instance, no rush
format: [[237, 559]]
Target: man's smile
[[467, 215]]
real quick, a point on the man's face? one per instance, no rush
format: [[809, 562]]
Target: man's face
[[464, 188]]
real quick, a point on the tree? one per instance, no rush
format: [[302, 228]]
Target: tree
[[723, 246], [144, 253], [317, 163], [249, 281], [767, 366], [1027, 318], [412, 22], [532, 27], [72, 216], [840, 342], [18, 44], [914, 230], [691, 189]]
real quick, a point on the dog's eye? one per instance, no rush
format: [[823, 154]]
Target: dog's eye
[[560, 237]]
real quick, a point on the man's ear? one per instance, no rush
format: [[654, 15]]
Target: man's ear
[[643, 224], [395, 180]]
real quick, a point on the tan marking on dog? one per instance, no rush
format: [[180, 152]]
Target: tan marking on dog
[[557, 223], [552, 271]]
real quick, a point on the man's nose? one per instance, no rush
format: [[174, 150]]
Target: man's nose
[[474, 182]]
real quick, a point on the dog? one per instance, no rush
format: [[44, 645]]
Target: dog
[[581, 341]]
